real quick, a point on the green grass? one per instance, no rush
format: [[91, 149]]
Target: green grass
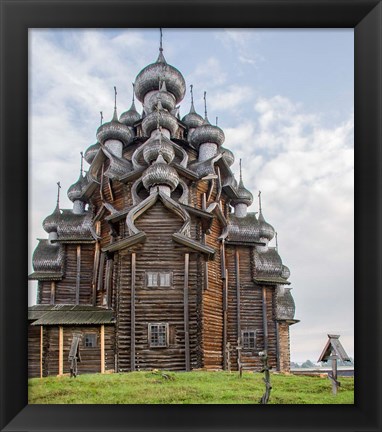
[[186, 388]]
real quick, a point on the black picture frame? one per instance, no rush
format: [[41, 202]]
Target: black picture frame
[[16, 17]]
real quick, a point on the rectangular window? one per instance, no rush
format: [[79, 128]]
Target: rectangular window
[[158, 335], [158, 279], [90, 340], [249, 339], [152, 279], [165, 279]]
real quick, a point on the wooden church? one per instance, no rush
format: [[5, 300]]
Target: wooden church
[[158, 264]]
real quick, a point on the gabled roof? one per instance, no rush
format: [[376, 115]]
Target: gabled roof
[[333, 347]]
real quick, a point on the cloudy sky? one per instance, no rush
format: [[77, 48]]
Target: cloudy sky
[[284, 99]]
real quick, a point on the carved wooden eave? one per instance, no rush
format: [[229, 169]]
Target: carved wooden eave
[[216, 209], [185, 172], [193, 244], [131, 176], [169, 203], [206, 218], [125, 243], [118, 215], [118, 166]]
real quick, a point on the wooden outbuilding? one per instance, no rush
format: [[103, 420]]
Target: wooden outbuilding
[[159, 264]]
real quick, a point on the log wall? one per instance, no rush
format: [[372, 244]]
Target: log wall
[[213, 306], [251, 311], [33, 351], [90, 357], [284, 347], [156, 304], [65, 291]]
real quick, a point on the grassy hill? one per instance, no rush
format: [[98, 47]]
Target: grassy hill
[[199, 387]]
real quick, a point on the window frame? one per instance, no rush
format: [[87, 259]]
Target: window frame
[[249, 347], [93, 335], [149, 334], [158, 274]]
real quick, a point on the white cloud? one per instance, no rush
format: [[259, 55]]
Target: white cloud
[[241, 41], [229, 97], [208, 73]]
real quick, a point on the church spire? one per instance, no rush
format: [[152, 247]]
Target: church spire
[[205, 107], [161, 58], [259, 195], [115, 116], [82, 164], [58, 195], [192, 109]]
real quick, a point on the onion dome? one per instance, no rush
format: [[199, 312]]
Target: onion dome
[[266, 230], [159, 173], [114, 130], [192, 120], [50, 223], [76, 189], [156, 145], [130, 117], [159, 118], [285, 272], [244, 195], [91, 152], [207, 133], [228, 156], [48, 257], [285, 306], [148, 78], [166, 98]]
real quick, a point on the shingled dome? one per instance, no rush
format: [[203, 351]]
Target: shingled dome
[[166, 99], [159, 173], [91, 152], [228, 156], [75, 191], [192, 120], [156, 145], [130, 117], [149, 77], [207, 133], [50, 222], [162, 118], [244, 196], [285, 306], [266, 230], [114, 130]]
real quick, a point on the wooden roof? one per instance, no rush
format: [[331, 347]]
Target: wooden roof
[[333, 347], [69, 315]]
